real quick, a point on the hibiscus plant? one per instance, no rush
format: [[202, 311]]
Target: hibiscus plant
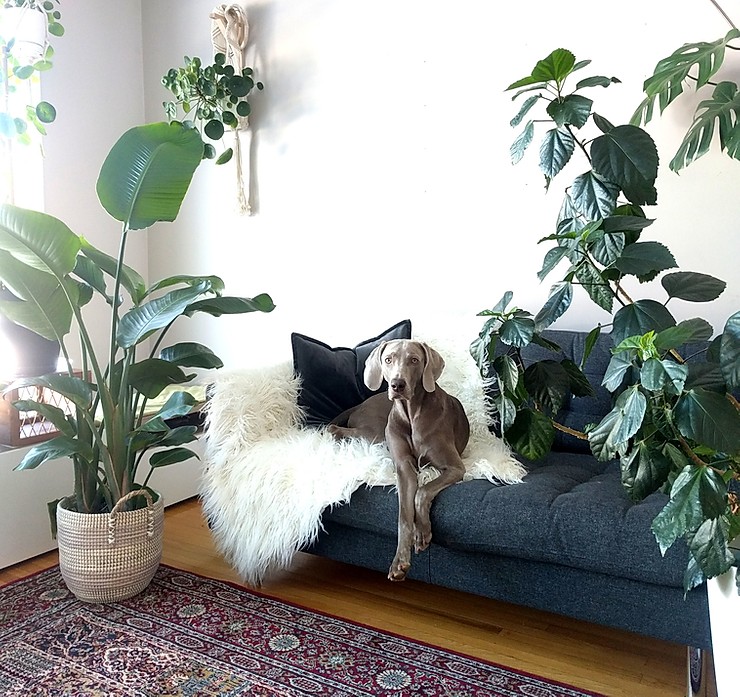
[[675, 422]]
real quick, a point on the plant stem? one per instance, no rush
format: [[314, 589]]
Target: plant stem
[[570, 431], [723, 13]]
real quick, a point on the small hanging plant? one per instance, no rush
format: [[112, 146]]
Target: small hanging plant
[[213, 98], [17, 68]]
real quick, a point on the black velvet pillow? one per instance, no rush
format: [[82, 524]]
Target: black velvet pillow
[[332, 377]]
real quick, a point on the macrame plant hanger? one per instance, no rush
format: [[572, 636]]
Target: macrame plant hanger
[[229, 35]]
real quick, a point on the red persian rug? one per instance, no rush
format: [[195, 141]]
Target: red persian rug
[[189, 635]]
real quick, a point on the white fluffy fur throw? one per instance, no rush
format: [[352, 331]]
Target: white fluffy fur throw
[[267, 479]]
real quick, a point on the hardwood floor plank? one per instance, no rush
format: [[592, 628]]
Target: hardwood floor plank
[[612, 662]]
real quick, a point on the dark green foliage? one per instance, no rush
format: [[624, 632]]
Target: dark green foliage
[[674, 425], [213, 98]]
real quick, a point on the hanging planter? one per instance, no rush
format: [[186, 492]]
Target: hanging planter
[[28, 26], [108, 557]]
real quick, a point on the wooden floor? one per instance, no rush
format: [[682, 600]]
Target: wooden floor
[[614, 663]]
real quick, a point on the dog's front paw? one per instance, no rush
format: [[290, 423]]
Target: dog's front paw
[[422, 538], [398, 570]]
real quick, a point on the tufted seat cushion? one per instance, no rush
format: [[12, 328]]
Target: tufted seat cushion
[[570, 510]]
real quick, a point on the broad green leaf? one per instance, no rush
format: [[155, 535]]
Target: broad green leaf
[[666, 82], [572, 110], [665, 375], [140, 322], [694, 287], [611, 436], [579, 383], [594, 284], [171, 456], [645, 259], [130, 278], [215, 283], [709, 547], [43, 306], [606, 248], [517, 331], [38, 240], [592, 197], [531, 434], [708, 418], [227, 305], [76, 390], [152, 375], [559, 300], [645, 469], [51, 413], [507, 371], [628, 157], [61, 446], [697, 493], [619, 365], [639, 318], [179, 403], [723, 107], [553, 257], [521, 143], [696, 329], [191, 355], [147, 173], [555, 151], [548, 383], [556, 67], [729, 352]]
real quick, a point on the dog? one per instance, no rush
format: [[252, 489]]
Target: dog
[[421, 424]]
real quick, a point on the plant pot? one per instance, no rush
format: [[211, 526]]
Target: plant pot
[[107, 557], [724, 619], [34, 355], [28, 26]]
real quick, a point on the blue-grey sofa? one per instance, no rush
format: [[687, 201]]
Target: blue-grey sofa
[[567, 540]]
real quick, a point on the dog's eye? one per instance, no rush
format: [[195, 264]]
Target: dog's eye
[[414, 359], [388, 359]]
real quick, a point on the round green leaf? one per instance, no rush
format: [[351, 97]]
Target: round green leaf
[[243, 109], [214, 129], [46, 112]]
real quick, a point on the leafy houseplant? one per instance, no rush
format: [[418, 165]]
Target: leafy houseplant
[[214, 97], [19, 66], [57, 273], [675, 425]]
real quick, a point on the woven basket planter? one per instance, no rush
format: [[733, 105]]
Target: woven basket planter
[[107, 557]]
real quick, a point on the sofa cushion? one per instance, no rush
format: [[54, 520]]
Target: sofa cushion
[[570, 510], [332, 378]]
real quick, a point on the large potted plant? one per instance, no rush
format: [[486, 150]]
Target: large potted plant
[[675, 424], [57, 274]]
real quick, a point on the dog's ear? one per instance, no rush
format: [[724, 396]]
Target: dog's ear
[[373, 374], [434, 364]]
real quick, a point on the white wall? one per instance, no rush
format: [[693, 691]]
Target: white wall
[[385, 188]]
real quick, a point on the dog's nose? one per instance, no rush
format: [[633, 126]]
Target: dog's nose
[[398, 385]]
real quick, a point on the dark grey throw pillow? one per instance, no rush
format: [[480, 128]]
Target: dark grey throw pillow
[[332, 378]]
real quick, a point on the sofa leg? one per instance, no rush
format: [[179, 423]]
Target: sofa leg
[[699, 673]]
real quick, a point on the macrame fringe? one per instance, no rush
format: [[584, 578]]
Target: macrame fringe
[[229, 35]]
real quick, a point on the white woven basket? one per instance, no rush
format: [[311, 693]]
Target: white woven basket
[[107, 557]]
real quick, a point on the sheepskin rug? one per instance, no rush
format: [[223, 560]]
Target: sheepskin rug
[[267, 479]]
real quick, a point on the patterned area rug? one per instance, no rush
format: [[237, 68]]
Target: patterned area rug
[[189, 635]]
